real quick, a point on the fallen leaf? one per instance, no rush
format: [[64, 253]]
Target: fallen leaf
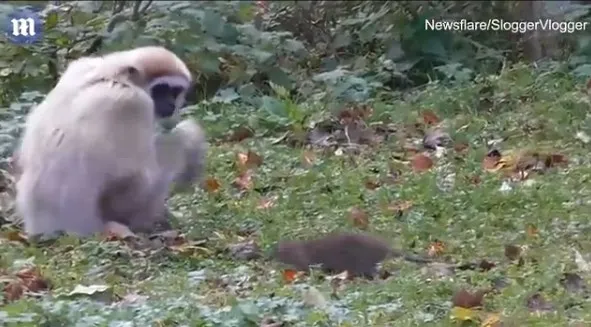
[[103, 293], [463, 314], [421, 162], [244, 181], [15, 236], [531, 230], [254, 159], [491, 161], [512, 252], [410, 150], [554, 160], [248, 160], [371, 184], [239, 134], [308, 158], [474, 179], [13, 290], [359, 218], [289, 275], [32, 279], [354, 113], [399, 207], [468, 300], [492, 320], [435, 248], [429, 117], [461, 147], [189, 248], [211, 185], [89, 290]]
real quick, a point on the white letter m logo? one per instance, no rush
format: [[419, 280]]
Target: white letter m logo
[[23, 26]]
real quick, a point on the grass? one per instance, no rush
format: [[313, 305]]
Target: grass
[[206, 287]]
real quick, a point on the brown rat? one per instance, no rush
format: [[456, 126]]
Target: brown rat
[[358, 254]]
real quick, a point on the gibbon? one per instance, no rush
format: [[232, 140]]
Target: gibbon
[[90, 156]]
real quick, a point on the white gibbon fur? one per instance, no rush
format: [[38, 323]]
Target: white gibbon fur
[[90, 155]]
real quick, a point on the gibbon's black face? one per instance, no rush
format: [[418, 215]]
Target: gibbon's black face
[[165, 97]]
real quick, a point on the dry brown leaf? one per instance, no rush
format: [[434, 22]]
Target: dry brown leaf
[[308, 158], [244, 181], [463, 314], [531, 230], [553, 160], [435, 248], [15, 236], [211, 185], [28, 279], [399, 207], [474, 179], [468, 300], [239, 134], [410, 149], [253, 159], [248, 160], [289, 275], [371, 184], [188, 248], [359, 218], [492, 320], [430, 118], [461, 147], [491, 161], [32, 279], [354, 113], [421, 163], [14, 290]]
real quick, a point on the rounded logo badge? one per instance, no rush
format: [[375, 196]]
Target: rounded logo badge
[[23, 26]]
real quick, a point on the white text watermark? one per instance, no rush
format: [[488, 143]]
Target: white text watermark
[[495, 24]]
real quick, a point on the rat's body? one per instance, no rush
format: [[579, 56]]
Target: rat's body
[[358, 254]]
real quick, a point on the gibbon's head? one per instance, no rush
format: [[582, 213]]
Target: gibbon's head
[[160, 72]]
